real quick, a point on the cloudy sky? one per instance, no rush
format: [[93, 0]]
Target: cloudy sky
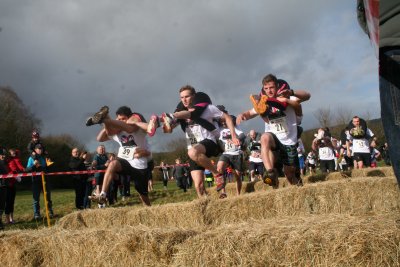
[[66, 59]]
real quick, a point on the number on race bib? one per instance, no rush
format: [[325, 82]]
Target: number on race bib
[[126, 152], [279, 126]]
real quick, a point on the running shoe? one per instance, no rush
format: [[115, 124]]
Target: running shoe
[[220, 182], [89, 121], [100, 199], [223, 195], [98, 117], [153, 125], [168, 121], [259, 103], [271, 178]]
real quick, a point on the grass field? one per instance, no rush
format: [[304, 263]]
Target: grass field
[[63, 204]]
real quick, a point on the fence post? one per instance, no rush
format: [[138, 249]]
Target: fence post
[[45, 199]]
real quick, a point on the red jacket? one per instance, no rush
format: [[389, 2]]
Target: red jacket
[[14, 166]]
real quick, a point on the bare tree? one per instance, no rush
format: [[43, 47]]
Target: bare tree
[[324, 116], [343, 115]]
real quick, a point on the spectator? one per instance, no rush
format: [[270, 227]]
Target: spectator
[[89, 181], [3, 192], [209, 177], [385, 154], [179, 173], [14, 166], [164, 168], [36, 141], [37, 163], [76, 163], [100, 162]]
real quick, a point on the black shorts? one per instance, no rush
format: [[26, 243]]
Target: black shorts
[[150, 168], [236, 161], [138, 176], [364, 157], [287, 153], [212, 150], [258, 167], [325, 165]]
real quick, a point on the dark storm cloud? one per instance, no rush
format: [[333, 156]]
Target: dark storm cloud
[[66, 59]]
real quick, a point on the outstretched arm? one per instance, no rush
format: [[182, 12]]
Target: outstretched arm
[[247, 115]]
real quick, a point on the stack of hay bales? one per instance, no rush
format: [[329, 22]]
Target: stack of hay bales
[[342, 220]]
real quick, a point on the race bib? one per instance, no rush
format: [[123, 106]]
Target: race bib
[[126, 152], [230, 146], [360, 143], [192, 137], [279, 126]]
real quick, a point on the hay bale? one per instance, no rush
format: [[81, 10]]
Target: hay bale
[[93, 247], [337, 240], [359, 196], [356, 196], [188, 215]]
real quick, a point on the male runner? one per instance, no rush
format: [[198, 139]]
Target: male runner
[[133, 152], [201, 137], [281, 133]]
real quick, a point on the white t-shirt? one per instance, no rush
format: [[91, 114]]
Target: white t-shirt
[[226, 138], [311, 158], [196, 133], [326, 153], [361, 145], [128, 143], [255, 153], [285, 128]]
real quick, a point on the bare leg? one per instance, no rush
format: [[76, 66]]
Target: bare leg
[[267, 143], [238, 176], [111, 171], [197, 154], [198, 180]]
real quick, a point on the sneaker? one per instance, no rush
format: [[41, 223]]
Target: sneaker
[[153, 125], [101, 206], [271, 178], [100, 199], [98, 117], [220, 182], [223, 195], [168, 121], [89, 121], [259, 103], [37, 217]]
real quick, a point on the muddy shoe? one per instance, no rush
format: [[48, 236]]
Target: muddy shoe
[[99, 116], [89, 121], [271, 178]]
